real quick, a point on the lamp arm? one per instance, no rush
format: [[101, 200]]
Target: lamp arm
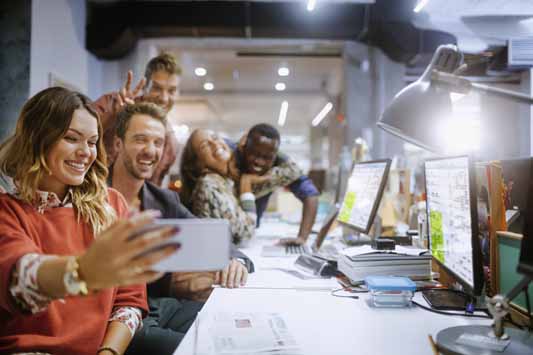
[[518, 288], [499, 306], [452, 82], [464, 86], [506, 94]]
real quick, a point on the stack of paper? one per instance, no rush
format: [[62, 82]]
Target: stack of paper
[[367, 250], [359, 262], [244, 333]]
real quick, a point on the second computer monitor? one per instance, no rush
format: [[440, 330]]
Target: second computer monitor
[[452, 219], [363, 194]]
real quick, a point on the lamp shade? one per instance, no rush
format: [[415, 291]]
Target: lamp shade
[[418, 110], [416, 114]]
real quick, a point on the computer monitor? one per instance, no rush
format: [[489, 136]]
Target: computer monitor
[[502, 340], [452, 220], [363, 194]]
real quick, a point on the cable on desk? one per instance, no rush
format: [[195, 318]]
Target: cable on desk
[[507, 319], [450, 313], [348, 289]]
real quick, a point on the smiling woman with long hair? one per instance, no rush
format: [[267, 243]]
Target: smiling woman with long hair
[[210, 192], [71, 277]]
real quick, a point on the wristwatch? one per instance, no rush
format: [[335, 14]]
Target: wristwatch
[[71, 279]]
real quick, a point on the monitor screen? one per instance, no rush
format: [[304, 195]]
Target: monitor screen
[[451, 209], [525, 264], [363, 194]]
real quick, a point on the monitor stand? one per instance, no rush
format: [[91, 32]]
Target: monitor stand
[[477, 339], [489, 339], [451, 300]]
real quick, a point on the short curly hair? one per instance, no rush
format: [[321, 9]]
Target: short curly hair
[[143, 108], [166, 62]]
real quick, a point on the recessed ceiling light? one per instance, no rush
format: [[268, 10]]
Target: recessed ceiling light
[[280, 86], [311, 5], [209, 86], [283, 71], [200, 71], [283, 113], [322, 114]]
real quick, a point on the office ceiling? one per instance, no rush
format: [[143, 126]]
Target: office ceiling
[[244, 79], [242, 44], [114, 27]]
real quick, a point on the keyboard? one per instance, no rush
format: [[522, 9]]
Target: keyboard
[[294, 249], [279, 250]]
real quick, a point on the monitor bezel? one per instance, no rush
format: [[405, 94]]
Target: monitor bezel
[[527, 235], [328, 222], [378, 199], [477, 266]]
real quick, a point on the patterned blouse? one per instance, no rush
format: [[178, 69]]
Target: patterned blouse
[[214, 196]]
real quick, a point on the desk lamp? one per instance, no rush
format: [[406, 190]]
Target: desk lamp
[[414, 116], [418, 111]]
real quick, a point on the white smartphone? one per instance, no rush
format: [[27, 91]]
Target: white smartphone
[[205, 245]]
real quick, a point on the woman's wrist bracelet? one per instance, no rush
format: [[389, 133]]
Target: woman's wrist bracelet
[[107, 348]]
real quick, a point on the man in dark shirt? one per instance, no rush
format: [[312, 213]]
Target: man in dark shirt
[[139, 145], [257, 154]]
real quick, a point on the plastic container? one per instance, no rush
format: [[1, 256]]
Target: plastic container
[[390, 291]]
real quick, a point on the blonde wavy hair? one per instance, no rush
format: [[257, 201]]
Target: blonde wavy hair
[[43, 121]]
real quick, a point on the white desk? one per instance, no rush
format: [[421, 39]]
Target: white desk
[[324, 324]]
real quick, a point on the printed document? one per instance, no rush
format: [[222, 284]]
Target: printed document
[[244, 333]]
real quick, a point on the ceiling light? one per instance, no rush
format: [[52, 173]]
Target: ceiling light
[[283, 71], [311, 5], [200, 71], [322, 114], [280, 86], [420, 5], [283, 113], [209, 86]]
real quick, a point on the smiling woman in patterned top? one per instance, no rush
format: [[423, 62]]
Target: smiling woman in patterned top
[[71, 278], [210, 186]]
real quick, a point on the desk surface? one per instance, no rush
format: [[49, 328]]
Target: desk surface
[[324, 324]]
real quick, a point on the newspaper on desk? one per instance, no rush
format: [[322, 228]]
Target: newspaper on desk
[[227, 333]]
